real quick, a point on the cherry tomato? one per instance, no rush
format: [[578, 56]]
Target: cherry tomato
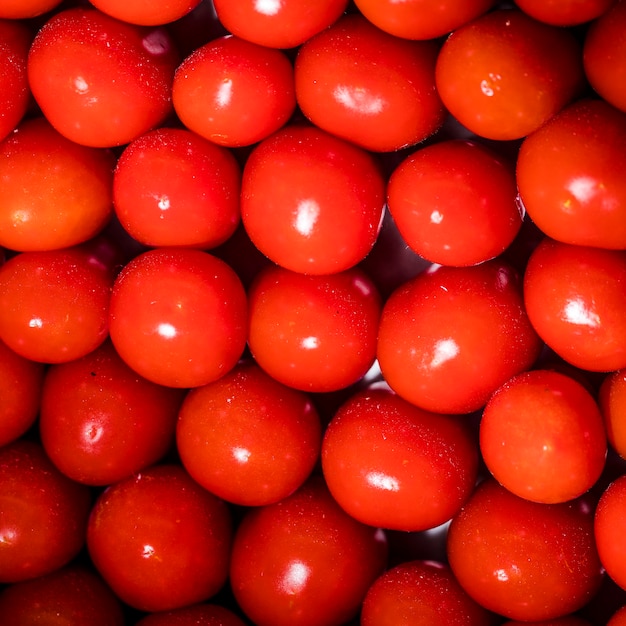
[[454, 202], [564, 12], [451, 336], [303, 561], [612, 400], [381, 102], [174, 188], [214, 86], [575, 297], [159, 540], [194, 615], [185, 304], [146, 12], [312, 202], [524, 560], [99, 81], [499, 75]]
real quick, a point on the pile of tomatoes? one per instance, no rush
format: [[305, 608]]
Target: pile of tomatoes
[[312, 312]]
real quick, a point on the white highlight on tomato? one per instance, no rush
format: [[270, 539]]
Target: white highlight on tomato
[[358, 99], [445, 349], [307, 214], [383, 481], [576, 311], [224, 93], [242, 455], [268, 7], [296, 577], [168, 331]]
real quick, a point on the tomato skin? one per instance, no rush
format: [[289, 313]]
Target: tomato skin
[[311, 202], [247, 438], [618, 618], [204, 614], [159, 540], [290, 558], [146, 12], [575, 297], [174, 188], [542, 437], [581, 200], [214, 85], [524, 560], [465, 223], [99, 81], [449, 337], [43, 514], [564, 12], [609, 523], [379, 102], [184, 303], [24, 9], [499, 76], [612, 401]]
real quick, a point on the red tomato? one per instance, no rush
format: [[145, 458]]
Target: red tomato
[[454, 202], [146, 12], [618, 618], [524, 560], [424, 593], [43, 514], [194, 615], [278, 23], [576, 301], [612, 400], [564, 12], [56, 193], [185, 304], [24, 9], [303, 561], [311, 202], [315, 333], [54, 304], [71, 595], [499, 75], [214, 86], [449, 337], [99, 81], [174, 188], [542, 437], [159, 540], [381, 102], [570, 175], [393, 465], [247, 438]]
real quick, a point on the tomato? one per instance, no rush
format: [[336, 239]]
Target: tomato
[[186, 304], [564, 12], [159, 540], [146, 12], [618, 618], [524, 560], [214, 85], [311, 202], [569, 174], [303, 561], [205, 614], [451, 336], [381, 102], [470, 221], [542, 437], [99, 81], [174, 188], [24, 9], [43, 514], [314, 333], [247, 438], [499, 75], [612, 401], [575, 297], [278, 23]]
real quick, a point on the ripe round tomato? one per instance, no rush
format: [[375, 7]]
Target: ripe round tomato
[[194, 615], [311, 202], [381, 102], [185, 304], [214, 86], [159, 540], [470, 221], [500, 77], [542, 437], [575, 297], [451, 336], [174, 188], [146, 12], [524, 560], [564, 12], [612, 400], [99, 81]]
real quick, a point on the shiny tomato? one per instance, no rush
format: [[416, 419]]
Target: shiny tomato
[[185, 304], [521, 559], [575, 297], [381, 102], [499, 75], [160, 540], [99, 81], [214, 86], [174, 188], [564, 12], [449, 337], [194, 615], [454, 202], [146, 12], [312, 202], [612, 400], [303, 561]]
